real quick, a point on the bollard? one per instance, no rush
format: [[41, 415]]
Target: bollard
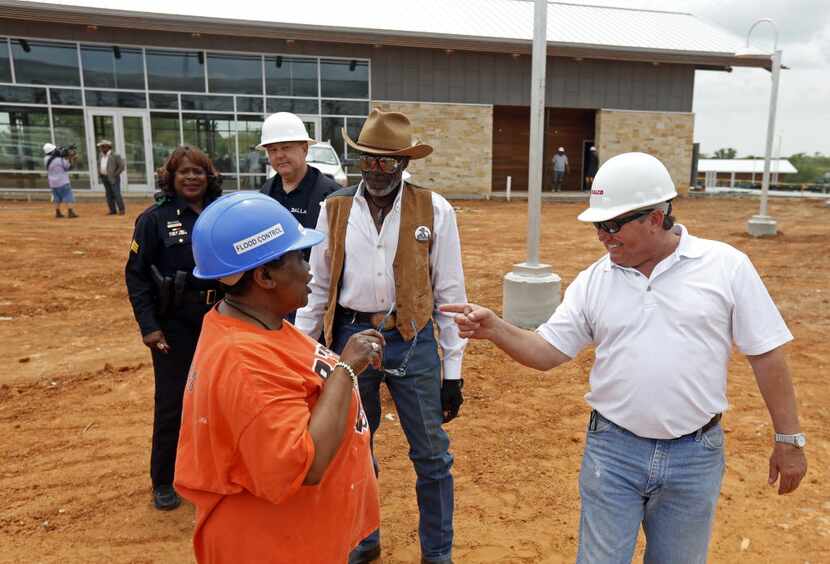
[[509, 182]]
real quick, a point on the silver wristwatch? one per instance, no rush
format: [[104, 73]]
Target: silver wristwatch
[[798, 440]]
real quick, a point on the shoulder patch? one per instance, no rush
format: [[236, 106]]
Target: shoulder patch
[[134, 246]]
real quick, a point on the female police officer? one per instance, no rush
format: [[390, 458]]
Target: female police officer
[[274, 448], [168, 301]]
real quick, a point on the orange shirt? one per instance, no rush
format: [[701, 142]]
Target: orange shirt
[[244, 451]]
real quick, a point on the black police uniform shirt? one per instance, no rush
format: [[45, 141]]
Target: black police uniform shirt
[[162, 237], [303, 201]]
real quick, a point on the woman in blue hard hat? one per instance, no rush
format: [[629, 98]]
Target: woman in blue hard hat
[[168, 302], [274, 447]]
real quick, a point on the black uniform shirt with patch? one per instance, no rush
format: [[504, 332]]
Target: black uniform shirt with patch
[[162, 238], [298, 200]]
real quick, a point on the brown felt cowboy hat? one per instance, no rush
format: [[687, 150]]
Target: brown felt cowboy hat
[[388, 133]]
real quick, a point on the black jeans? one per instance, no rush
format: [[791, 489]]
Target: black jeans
[[113, 192], [171, 376]]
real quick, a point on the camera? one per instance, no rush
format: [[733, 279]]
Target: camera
[[65, 152]]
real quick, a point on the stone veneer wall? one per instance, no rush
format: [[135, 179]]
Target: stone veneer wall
[[462, 139], [666, 135]]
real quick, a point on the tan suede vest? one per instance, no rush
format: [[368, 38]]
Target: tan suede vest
[[413, 282]]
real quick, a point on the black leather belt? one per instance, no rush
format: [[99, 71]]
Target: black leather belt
[[370, 318], [204, 297], [592, 425]]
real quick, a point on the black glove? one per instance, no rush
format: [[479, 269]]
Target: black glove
[[451, 398]]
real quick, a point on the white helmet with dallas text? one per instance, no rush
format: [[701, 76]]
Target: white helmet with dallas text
[[628, 182]]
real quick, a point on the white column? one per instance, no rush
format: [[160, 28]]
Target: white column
[[531, 291]]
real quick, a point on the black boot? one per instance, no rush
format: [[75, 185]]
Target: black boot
[[58, 212], [72, 213]]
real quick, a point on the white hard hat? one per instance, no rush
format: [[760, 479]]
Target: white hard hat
[[48, 148], [628, 182], [593, 148], [562, 149], [283, 127]]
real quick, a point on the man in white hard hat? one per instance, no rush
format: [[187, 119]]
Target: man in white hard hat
[[662, 309], [298, 187], [560, 168]]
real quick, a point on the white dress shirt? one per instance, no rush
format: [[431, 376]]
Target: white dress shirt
[[368, 279], [103, 167], [663, 343]]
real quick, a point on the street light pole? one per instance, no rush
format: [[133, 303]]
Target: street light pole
[[762, 224]]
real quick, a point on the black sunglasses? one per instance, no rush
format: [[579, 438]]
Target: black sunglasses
[[612, 226]]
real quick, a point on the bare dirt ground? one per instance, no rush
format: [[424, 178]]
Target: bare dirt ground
[[76, 401]]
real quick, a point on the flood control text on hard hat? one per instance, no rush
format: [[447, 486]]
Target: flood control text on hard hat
[[254, 241]]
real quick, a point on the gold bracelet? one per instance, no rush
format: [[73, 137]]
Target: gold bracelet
[[348, 369]]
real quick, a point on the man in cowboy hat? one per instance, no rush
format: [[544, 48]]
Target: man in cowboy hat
[[110, 167], [392, 255]]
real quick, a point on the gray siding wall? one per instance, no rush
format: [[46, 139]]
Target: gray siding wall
[[432, 75], [429, 75]]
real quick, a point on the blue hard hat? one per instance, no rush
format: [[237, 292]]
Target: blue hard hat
[[243, 230]]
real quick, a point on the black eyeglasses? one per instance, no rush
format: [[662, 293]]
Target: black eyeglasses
[[368, 163], [614, 225], [400, 371]]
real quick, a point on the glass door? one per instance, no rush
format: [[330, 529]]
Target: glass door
[[128, 130]]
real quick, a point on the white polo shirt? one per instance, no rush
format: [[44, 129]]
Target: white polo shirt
[[663, 343]]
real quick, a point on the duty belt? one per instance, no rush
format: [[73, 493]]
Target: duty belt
[[204, 297], [353, 317]]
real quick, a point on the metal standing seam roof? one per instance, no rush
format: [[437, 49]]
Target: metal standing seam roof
[[497, 21], [780, 166]]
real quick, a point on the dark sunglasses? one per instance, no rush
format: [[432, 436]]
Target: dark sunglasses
[[400, 371], [614, 225], [386, 165]]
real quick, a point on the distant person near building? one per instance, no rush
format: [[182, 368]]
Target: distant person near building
[[560, 168], [110, 167], [591, 167], [57, 172]]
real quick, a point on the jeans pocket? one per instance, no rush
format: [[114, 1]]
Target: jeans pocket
[[713, 438]]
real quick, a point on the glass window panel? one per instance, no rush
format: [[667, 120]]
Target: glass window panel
[[109, 98], [248, 104], [66, 97], [22, 94], [40, 62], [164, 130], [214, 134], [290, 76], [234, 74], [5, 64], [134, 152], [23, 131], [207, 103], [25, 180], [164, 101], [250, 181], [330, 131], [70, 130], [176, 70], [251, 160], [353, 127], [295, 106], [113, 67], [344, 79], [345, 107]]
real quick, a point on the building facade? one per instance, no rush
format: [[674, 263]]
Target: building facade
[[150, 87]]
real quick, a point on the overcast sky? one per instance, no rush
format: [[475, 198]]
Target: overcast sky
[[731, 109]]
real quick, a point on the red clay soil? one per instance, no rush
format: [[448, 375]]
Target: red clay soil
[[76, 393]]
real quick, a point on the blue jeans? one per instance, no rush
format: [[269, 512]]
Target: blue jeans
[[417, 397], [670, 486]]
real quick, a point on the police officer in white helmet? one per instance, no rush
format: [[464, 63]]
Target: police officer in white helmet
[[662, 309], [298, 187]]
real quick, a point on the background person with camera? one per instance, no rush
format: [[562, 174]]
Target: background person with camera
[[110, 167], [58, 162]]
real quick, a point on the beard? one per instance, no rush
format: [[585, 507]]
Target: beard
[[382, 191]]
